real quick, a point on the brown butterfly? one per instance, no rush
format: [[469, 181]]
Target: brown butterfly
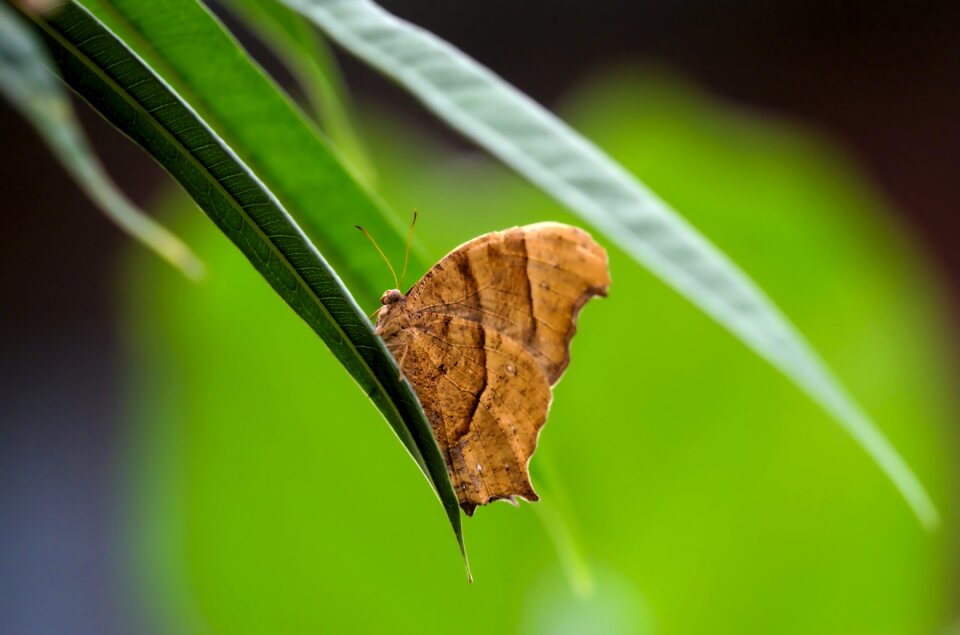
[[483, 337]]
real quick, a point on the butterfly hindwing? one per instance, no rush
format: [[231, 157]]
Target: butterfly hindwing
[[488, 399]]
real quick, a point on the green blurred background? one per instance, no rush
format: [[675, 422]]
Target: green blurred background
[[705, 492], [686, 487]]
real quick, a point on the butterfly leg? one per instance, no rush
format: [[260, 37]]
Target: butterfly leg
[[403, 358]]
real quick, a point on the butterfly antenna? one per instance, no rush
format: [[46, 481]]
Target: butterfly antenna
[[380, 251], [406, 252]]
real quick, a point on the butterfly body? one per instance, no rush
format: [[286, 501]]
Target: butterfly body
[[483, 337]]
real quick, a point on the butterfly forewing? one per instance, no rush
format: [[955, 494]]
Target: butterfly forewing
[[528, 283]]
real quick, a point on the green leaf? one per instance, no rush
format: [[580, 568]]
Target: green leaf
[[28, 84], [252, 116], [305, 53], [123, 89], [570, 168]]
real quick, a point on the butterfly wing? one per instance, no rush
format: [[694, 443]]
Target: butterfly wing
[[528, 283], [486, 398], [486, 334]]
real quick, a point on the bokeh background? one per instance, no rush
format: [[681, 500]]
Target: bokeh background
[[145, 487]]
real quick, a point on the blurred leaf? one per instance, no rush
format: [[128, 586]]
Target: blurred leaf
[[118, 84], [260, 123], [27, 82], [306, 54], [575, 172]]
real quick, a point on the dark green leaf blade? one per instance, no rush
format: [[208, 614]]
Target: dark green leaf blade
[[252, 116], [576, 173], [124, 90]]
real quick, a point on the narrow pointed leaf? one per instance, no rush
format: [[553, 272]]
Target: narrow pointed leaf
[[564, 164], [28, 84], [258, 121], [123, 89]]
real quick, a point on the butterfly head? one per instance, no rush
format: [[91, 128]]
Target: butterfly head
[[391, 296], [390, 315]]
